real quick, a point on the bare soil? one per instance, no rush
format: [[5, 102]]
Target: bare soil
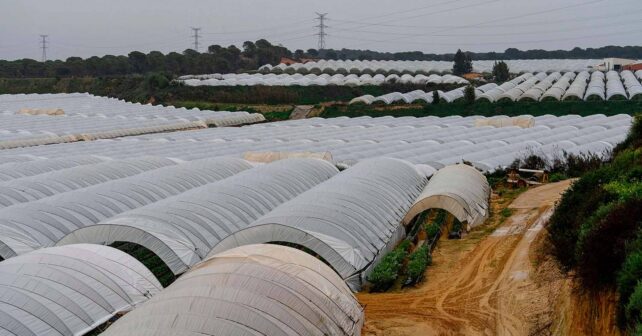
[[491, 282]]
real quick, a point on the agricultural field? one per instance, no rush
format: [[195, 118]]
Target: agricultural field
[[242, 187], [172, 194]]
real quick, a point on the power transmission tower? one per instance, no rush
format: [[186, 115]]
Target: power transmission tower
[[322, 26], [43, 46], [196, 37]]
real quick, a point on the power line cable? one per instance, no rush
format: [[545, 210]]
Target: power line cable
[[447, 10], [550, 10], [503, 42], [555, 31], [522, 24]]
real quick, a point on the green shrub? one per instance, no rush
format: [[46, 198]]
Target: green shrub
[[556, 177], [627, 279], [506, 212], [276, 116], [581, 201], [638, 330], [417, 264], [634, 138], [602, 246], [625, 190], [387, 271], [432, 231], [633, 310], [440, 219]]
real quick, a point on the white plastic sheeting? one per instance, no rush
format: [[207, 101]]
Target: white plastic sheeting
[[557, 91], [18, 158], [23, 169], [90, 117], [538, 90], [182, 229], [633, 86], [42, 223], [596, 87], [459, 189], [419, 96], [614, 87], [427, 140], [315, 80], [70, 290], [358, 67], [349, 220], [578, 87], [249, 291], [530, 87], [32, 188], [495, 93]]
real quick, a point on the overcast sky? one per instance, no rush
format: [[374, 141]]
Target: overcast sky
[[98, 27]]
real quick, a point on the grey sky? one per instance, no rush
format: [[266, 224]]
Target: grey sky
[[98, 27]]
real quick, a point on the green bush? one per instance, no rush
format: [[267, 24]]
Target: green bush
[[601, 249], [581, 201], [417, 264], [432, 231], [506, 212], [628, 277], [556, 177], [633, 310], [387, 271], [634, 138]]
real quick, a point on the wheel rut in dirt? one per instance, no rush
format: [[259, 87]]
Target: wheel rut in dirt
[[480, 285]]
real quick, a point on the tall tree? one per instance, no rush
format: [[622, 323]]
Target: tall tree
[[500, 71], [463, 63], [299, 53], [469, 94]]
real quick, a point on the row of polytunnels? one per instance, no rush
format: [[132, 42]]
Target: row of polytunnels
[[269, 249]]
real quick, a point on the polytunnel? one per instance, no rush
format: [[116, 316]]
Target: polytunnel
[[37, 167], [42, 223], [614, 87], [350, 221], [556, 92], [366, 99], [182, 229], [70, 290], [578, 87], [249, 291], [17, 159], [32, 188], [459, 189]]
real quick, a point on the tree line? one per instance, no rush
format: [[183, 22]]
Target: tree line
[[215, 59], [252, 55], [632, 52]]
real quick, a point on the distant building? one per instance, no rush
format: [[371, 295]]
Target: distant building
[[633, 67], [473, 76], [290, 61], [616, 64]]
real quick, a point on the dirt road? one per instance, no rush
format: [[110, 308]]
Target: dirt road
[[480, 285]]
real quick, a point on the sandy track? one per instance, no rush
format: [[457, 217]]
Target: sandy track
[[475, 287]]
